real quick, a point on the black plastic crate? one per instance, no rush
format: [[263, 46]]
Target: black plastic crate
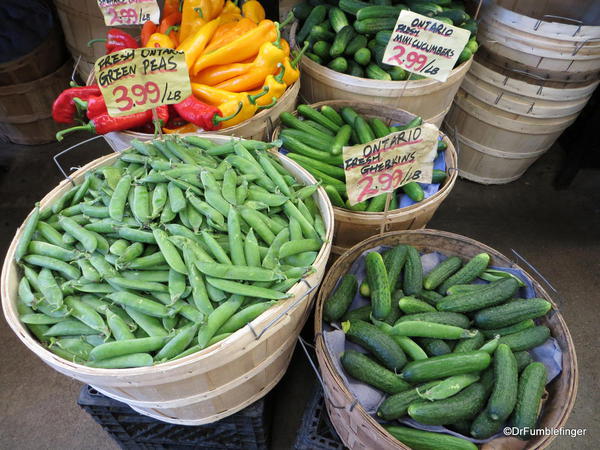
[[316, 431], [248, 429]]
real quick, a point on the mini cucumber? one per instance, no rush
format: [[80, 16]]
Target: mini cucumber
[[342, 138], [431, 297], [413, 273], [379, 344], [468, 273], [363, 368], [414, 191], [526, 339], [435, 347], [529, 396], [494, 294], [412, 305], [339, 64], [523, 360], [445, 318], [362, 313], [511, 313], [504, 395], [363, 130], [394, 260], [462, 406], [428, 440], [396, 406], [337, 304], [395, 311], [338, 19], [379, 285], [441, 272], [443, 366], [484, 426], [341, 41], [316, 16], [359, 41], [439, 176], [470, 344], [464, 288]]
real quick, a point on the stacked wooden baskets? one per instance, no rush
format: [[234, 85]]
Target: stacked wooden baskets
[[527, 85], [357, 428], [215, 382]]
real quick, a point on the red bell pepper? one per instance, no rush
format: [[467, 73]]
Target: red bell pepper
[[205, 116], [116, 40], [104, 123], [64, 108]]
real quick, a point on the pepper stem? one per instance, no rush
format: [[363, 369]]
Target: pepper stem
[[270, 105], [279, 76], [172, 28], [94, 41], [218, 119], [252, 98], [73, 83], [289, 19], [199, 12], [87, 127], [296, 60], [277, 41], [80, 104]]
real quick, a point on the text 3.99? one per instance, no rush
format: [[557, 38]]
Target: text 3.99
[[140, 94]]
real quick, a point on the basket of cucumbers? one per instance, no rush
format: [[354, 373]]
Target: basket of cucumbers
[[158, 278], [428, 339], [314, 136], [346, 40]]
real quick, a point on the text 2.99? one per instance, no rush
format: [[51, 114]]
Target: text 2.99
[[384, 182]]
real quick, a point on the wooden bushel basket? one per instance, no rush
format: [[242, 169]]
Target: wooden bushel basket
[[356, 428], [215, 382], [427, 98], [354, 226]]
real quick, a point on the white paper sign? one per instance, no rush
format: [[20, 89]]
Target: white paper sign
[[118, 13]]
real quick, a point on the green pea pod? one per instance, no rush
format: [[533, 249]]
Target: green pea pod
[[149, 261], [183, 243], [26, 295], [123, 362], [127, 347], [70, 327], [177, 285], [177, 343], [299, 246], [245, 289], [151, 325], [307, 229], [118, 247], [87, 315], [50, 288], [137, 285], [169, 251], [116, 208], [39, 319], [50, 234], [215, 248], [236, 244], [245, 316], [251, 251], [217, 318], [139, 303], [27, 233], [87, 239], [131, 252]]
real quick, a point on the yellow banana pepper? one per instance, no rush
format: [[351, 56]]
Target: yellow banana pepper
[[246, 111], [231, 8], [194, 14], [253, 10], [241, 48], [195, 43], [187, 128], [292, 73], [160, 40], [213, 96], [216, 8], [276, 87], [228, 32]]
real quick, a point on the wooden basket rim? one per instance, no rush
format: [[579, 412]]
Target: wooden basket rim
[[264, 319], [371, 242]]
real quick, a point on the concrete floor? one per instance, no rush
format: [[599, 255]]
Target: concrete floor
[[557, 231]]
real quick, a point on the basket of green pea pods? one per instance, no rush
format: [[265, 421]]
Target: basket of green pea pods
[[174, 276]]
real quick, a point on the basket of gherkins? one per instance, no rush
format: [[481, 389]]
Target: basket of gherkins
[[313, 136], [428, 339], [174, 276], [345, 42]]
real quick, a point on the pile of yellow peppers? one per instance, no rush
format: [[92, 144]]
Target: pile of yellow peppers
[[234, 55]]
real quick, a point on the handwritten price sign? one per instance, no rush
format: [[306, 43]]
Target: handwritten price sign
[[385, 164], [425, 46], [129, 12], [135, 80]]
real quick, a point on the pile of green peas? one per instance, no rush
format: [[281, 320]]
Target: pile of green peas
[[169, 250]]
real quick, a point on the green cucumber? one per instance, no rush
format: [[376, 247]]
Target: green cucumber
[[426, 9], [302, 10], [456, 15], [289, 120], [375, 72], [363, 368], [431, 297], [435, 347], [444, 318], [380, 287], [365, 290], [472, 46], [414, 191], [394, 259], [414, 328], [363, 130], [470, 25], [470, 344], [312, 114], [321, 49], [316, 16], [379, 344], [332, 115], [415, 122], [309, 139], [449, 387], [396, 406], [413, 273], [359, 41], [328, 169], [511, 313], [320, 33], [428, 440], [526, 339], [379, 127], [378, 54], [397, 73], [341, 139], [442, 272], [468, 273], [523, 360], [462, 406], [339, 64], [377, 203], [337, 304], [412, 305], [355, 70], [341, 41], [337, 19], [375, 12], [352, 6], [363, 56], [362, 313], [334, 196], [465, 55], [296, 146], [484, 426], [490, 346], [315, 58], [464, 288], [383, 37], [529, 397], [494, 294], [375, 24], [439, 176], [349, 115], [443, 366], [321, 128], [504, 395]]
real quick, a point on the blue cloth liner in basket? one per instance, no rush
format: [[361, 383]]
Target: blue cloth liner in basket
[[370, 398]]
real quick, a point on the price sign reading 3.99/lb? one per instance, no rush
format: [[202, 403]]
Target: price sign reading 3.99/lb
[[129, 12], [425, 46], [135, 80], [385, 164]]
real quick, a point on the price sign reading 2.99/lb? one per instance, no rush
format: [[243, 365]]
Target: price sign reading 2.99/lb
[[135, 80], [385, 164], [129, 12], [425, 46]]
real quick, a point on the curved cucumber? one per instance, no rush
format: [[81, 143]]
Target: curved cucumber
[[337, 304], [446, 365], [381, 300], [428, 440], [363, 368], [441, 272], [494, 294], [512, 313], [413, 272], [468, 273], [526, 339], [396, 406], [529, 397], [412, 305], [504, 396]]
